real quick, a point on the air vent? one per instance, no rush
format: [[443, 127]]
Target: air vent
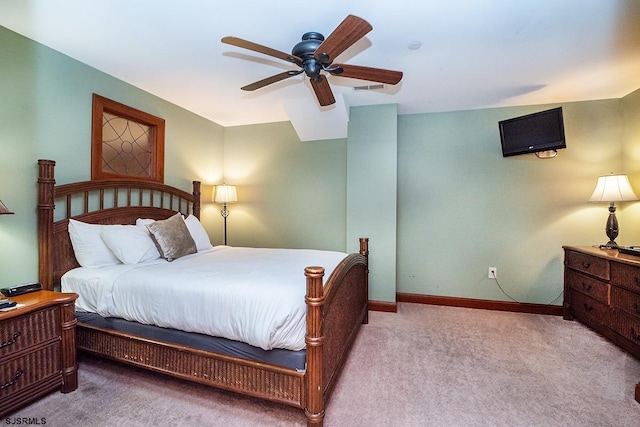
[[369, 87]]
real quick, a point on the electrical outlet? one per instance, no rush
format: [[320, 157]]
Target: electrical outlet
[[493, 273]]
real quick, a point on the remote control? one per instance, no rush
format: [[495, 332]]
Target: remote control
[[21, 289], [6, 303]]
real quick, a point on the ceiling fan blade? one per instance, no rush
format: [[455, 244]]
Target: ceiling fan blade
[[245, 44], [368, 73], [347, 33], [323, 91], [269, 80]]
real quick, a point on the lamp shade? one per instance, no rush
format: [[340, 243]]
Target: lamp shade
[[3, 209], [225, 194], [613, 188]]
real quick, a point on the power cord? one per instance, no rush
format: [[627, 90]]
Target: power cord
[[557, 298], [514, 300], [502, 290]]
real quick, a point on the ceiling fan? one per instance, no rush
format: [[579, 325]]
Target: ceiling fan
[[315, 54]]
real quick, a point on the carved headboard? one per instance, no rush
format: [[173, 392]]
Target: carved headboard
[[97, 202]]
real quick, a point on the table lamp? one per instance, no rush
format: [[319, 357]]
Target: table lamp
[[612, 188]]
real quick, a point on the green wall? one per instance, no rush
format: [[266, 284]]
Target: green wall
[[372, 182], [45, 113], [290, 193], [462, 207], [630, 224]]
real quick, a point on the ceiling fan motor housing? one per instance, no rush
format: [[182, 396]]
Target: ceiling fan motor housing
[[305, 50], [308, 45]]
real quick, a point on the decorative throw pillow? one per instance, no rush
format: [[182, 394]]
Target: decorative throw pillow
[[88, 246], [172, 237], [198, 233], [131, 244]]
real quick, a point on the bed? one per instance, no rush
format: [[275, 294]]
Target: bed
[[336, 305]]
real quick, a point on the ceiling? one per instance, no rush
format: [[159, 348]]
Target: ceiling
[[473, 54]]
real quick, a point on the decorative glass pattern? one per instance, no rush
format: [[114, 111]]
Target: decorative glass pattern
[[126, 146]]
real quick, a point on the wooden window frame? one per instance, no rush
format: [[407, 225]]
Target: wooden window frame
[[156, 135]]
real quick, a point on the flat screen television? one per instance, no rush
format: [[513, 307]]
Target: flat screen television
[[541, 131]]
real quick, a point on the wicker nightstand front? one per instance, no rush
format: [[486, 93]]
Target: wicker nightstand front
[[602, 290], [37, 348]]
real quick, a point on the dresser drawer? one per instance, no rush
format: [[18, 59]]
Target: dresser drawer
[[30, 329], [627, 276], [588, 264], [589, 310], [588, 285], [627, 326], [18, 374], [625, 301]]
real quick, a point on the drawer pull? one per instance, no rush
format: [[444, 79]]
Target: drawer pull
[[18, 374], [587, 307], [636, 309], [634, 335], [636, 281], [586, 287], [11, 341], [585, 264]]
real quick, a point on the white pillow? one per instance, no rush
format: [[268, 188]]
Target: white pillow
[[198, 233], [143, 222], [88, 246], [131, 244]]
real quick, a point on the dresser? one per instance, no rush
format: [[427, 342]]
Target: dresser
[[602, 290], [37, 348]]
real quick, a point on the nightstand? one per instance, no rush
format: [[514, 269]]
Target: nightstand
[[37, 348], [602, 290]]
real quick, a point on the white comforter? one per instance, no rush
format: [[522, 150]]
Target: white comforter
[[246, 294]]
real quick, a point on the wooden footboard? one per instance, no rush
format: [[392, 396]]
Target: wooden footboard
[[335, 310]]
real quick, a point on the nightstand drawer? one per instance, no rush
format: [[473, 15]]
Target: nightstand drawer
[[588, 264], [626, 301], [28, 330], [18, 374], [589, 310], [627, 326], [627, 276], [588, 285]]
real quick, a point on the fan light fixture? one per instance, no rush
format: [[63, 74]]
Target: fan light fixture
[[612, 188], [225, 194]]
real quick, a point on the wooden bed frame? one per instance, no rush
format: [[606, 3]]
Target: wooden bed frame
[[334, 311]]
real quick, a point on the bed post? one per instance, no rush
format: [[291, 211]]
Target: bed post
[[364, 251], [314, 409], [196, 201], [46, 182]]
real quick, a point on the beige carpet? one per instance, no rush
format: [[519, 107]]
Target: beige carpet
[[423, 366]]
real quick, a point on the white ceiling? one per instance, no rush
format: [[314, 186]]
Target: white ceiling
[[474, 54]]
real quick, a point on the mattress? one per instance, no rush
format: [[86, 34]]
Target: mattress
[[251, 295]]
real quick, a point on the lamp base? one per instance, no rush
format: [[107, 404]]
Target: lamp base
[[610, 245], [611, 228]]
